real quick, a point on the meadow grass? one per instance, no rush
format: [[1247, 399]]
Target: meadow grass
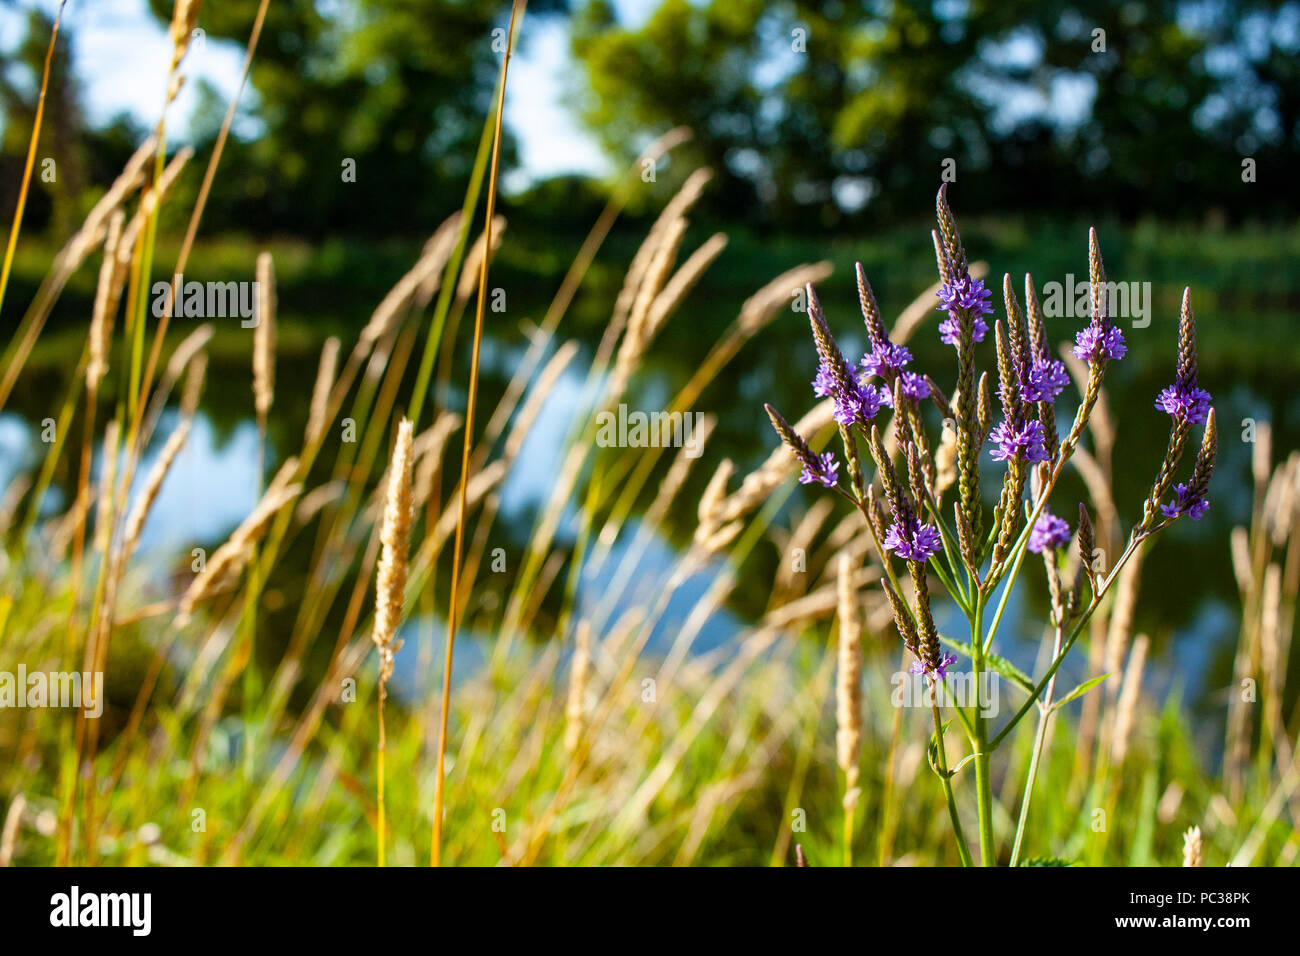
[[581, 747]]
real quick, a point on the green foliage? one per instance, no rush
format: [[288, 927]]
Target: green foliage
[[808, 109], [399, 88]]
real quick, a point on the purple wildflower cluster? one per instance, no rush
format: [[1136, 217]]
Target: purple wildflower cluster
[[911, 540], [1049, 534], [1186, 502], [940, 670], [1045, 381], [964, 293], [885, 359], [1096, 342], [1185, 401], [822, 468], [1024, 441], [857, 403], [913, 385]]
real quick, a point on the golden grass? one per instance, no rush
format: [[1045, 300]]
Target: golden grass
[[715, 767]]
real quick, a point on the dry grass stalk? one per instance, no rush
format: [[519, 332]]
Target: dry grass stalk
[[762, 481], [454, 609], [1126, 718], [185, 358], [101, 321], [394, 536], [575, 708], [422, 278], [152, 485], [639, 332], [13, 821], [185, 17], [759, 308], [1121, 617], [474, 258], [683, 280], [149, 203], [107, 479], [712, 533], [264, 340], [68, 260], [817, 605], [318, 498], [320, 392], [1273, 659], [229, 559], [1261, 457], [848, 686], [195, 376], [800, 541], [1240, 546], [441, 244], [13, 497], [482, 483], [428, 449], [675, 209], [546, 382], [1193, 847], [390, 583]]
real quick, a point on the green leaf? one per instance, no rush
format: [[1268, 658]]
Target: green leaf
[[999, 664], [1047, 861], [932, 751], [1078, 691], [961, 763]]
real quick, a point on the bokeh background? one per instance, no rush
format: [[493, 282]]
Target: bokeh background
[[1173, 127]]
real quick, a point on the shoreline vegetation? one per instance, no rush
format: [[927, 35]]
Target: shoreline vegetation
[[243, 728]]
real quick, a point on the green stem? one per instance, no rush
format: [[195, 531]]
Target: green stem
[[983, 781], [963, 851], [1069, 642], [1040, 737]]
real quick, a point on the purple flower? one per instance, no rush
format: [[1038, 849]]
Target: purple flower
[[857, 404], [1095, 342], [886, 358], [914, 387], [823, 468], [950, 329], [1185, 402], [1025, 441], [1186, 502], [941, 669], [1050, 533], [971, 295], [965, 293], [824, 383], [911, 540], [1045, 381]]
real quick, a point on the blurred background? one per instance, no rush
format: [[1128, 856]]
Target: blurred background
[[1173, 127]]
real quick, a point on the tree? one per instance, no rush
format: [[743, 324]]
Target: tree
[[815, 111], [369, 112], [61, 172]]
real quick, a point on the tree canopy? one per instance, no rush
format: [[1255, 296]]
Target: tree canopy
[[814, 111]]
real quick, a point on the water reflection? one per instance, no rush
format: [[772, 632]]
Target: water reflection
[[1188, 600]]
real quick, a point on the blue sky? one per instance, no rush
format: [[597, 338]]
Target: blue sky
[[121, 53]]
